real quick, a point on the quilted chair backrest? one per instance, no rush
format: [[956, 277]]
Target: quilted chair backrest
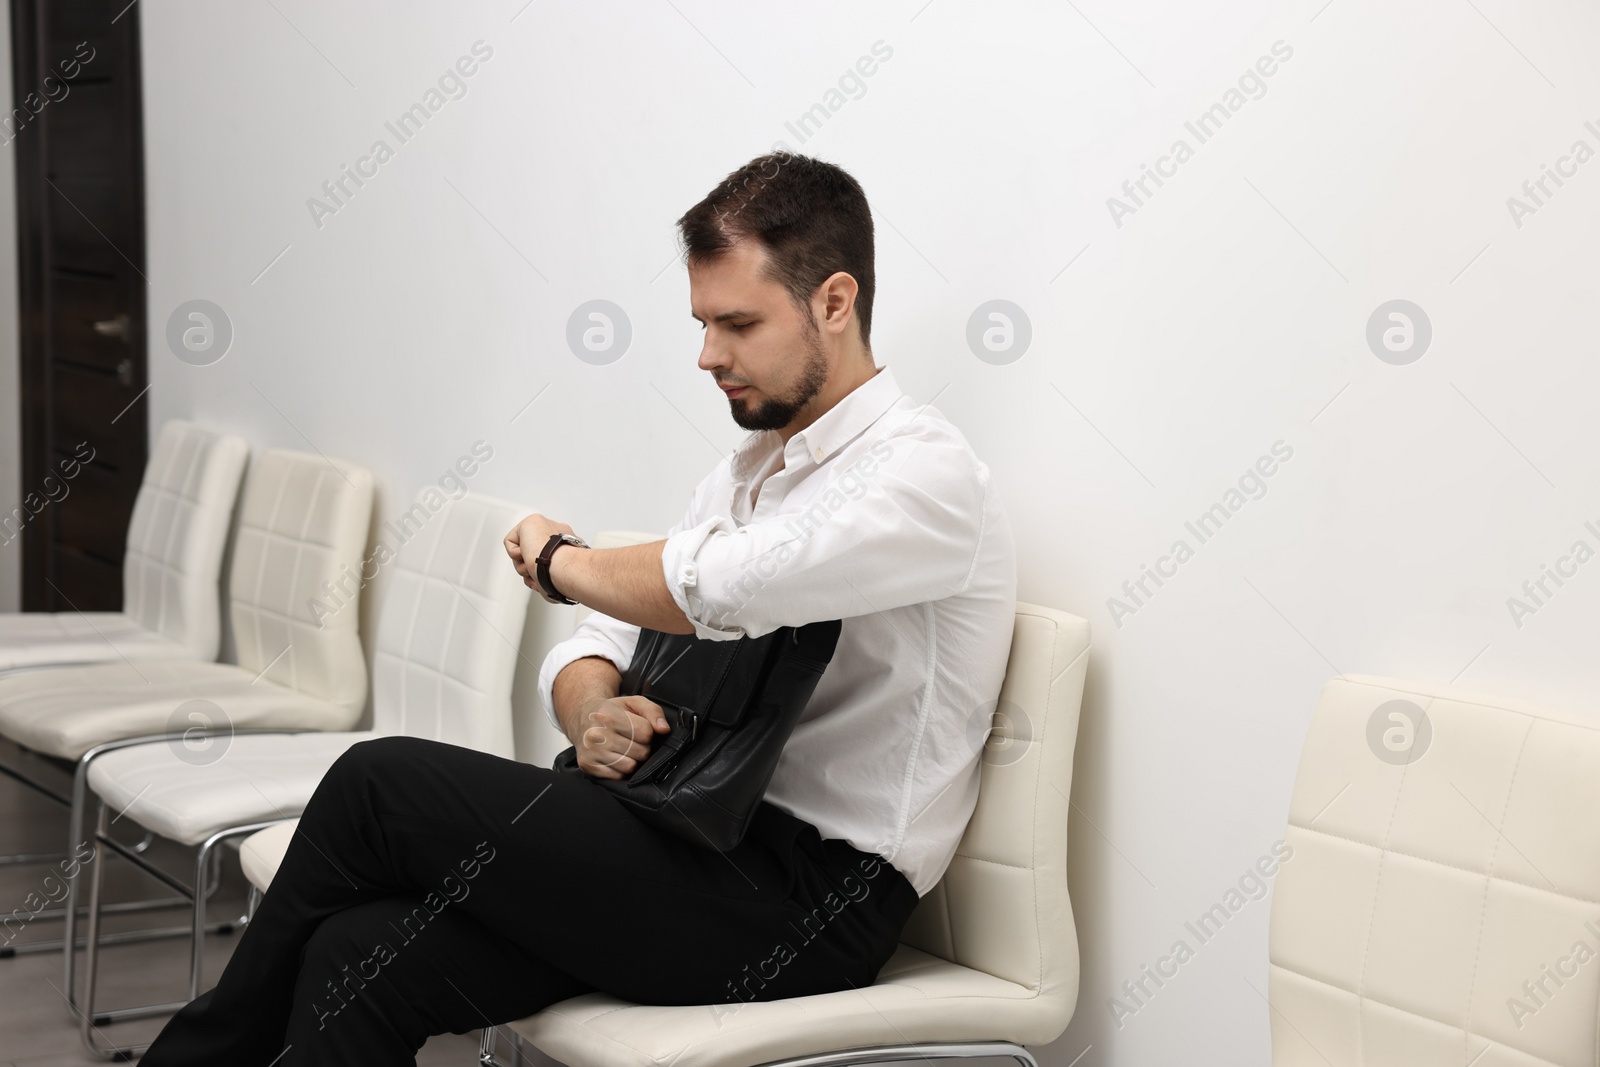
[[451, 624], [1002, 905], [177, 534], [1442, 900], [295, 585]]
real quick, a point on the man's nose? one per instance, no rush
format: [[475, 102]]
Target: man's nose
[[710, 357]]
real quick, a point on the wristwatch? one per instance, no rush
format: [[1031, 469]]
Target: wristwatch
[[541, 568]]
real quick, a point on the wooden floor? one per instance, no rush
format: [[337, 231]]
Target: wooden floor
[[36, 1027]]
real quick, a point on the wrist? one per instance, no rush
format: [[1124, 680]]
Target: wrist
[[561, 568], [546, 577], [579, 719]]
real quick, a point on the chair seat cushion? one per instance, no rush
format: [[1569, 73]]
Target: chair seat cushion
[[65, 711], [917, 998], [262, 852], [39, 639], [188, 795]]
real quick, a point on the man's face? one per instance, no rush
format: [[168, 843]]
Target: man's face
[[762, 350]]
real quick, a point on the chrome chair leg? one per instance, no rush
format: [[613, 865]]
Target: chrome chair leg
[[213, 875], [197, 942], [211, 848], [88, 1023], [91, 1018], [486, 1050], [77, 805], [75, 813], [69, 930]]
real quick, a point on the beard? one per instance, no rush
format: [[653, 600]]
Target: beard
[[778, 411]]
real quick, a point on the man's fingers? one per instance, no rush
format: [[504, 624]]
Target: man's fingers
[[612, 743], [617, 738], [648, 723], [616, 762], [513, 546], [647, 710], [620, 764], [623, 745], [516, 538], [617, 747], [601, 757]]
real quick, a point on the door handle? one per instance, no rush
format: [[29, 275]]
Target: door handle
[[116, 326]]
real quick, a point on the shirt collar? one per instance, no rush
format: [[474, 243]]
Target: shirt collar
[[831, 431]]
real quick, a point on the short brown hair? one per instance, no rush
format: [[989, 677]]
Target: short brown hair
[[811, 216]]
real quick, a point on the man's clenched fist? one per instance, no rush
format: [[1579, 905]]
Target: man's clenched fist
[[614, 734]]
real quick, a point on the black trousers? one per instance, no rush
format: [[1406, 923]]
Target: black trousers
[[434, 889]]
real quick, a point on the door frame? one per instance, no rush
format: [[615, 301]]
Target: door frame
[[34, 203]]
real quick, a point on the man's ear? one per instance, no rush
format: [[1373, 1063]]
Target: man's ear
[[837, 300]]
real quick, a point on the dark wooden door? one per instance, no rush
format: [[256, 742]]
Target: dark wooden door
[[79, 144]]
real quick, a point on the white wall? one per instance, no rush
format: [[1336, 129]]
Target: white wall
[[1168, 353], [10, 387]]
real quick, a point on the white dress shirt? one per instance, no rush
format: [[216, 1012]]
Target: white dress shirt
[[878, 514]]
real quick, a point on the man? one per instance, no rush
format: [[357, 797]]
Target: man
[[433, 888]]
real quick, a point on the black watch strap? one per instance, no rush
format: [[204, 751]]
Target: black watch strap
[[541, 567]]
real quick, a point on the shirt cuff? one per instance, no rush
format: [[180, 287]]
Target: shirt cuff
[[573, 648], [682, 574]]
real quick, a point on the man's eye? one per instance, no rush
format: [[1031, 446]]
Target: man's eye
[[741, 325]]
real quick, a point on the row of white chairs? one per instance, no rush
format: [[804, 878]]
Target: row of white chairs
[[988, 963], [201, 752]]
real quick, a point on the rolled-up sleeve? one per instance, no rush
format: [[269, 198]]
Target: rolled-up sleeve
[[888, 530], [681, 566]]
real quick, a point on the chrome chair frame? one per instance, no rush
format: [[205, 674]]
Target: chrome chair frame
[[855, 1057], [77, 804], [89, 1020], [132, 852]]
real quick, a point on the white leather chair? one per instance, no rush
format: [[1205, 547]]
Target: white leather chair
[[988, 962], [302, 531], [170, 605], [262, 852], [1442, 901], [447, 649]]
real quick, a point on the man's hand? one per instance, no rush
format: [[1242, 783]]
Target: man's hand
[[533, 532], [616, 734]]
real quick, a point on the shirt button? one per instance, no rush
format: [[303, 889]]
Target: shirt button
[[816, 453], [688, 574]]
